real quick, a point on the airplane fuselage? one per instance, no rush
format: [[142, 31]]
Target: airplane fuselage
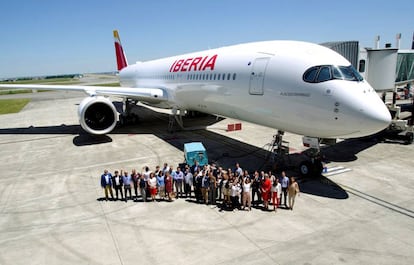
[[263, 83]]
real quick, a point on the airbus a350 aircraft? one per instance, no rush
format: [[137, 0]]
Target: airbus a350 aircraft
[[292, 86]]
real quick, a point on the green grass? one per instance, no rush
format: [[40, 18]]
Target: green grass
[[109, 84], [15, 91], [12, 105], [39, 81], [19, 91]]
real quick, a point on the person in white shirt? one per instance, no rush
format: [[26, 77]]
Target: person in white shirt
[[146, 172], [247, 199], [276, 192], [234, 194], [152, 183], [117, 182], [188, 182], [238, 169]]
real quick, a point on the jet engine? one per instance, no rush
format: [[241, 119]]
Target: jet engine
[[97, 115]]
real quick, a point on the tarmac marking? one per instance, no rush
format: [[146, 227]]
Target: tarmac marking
[[335, 171], [380, 202]]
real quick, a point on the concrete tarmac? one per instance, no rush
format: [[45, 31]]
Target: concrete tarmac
[[52, 209]]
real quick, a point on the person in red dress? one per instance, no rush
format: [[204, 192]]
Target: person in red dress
[[152, 183], [266, 185], [168, 185]]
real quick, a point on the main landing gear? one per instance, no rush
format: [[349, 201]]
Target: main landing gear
[[309, 162], [127, 117], [313, 165]]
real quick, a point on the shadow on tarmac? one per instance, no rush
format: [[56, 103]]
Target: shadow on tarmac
[[347, 150], [87, 139], [223, 150], [322, 187]]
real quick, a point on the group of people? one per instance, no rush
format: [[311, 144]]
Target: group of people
[[235, 188]]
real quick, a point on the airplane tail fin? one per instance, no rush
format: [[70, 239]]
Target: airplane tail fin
[[120, 55]]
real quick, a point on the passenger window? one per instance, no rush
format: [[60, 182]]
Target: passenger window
[[228, 76], [234, 76], [324, 74], [310, 75]]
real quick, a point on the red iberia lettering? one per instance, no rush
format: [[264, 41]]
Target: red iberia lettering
[[202, 62], [185, 64], [178, 65], [194, 64], [172, 65], [210, 63]]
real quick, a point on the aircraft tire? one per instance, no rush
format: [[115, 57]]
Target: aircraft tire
[[305, 168], [122, 121], [409, 138]]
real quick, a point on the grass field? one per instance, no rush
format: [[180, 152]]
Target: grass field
[[51, 81], [42, 81], [18, 91], [12, 105], [109, 84]]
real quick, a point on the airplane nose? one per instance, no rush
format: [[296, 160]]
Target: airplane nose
[[377, 117]]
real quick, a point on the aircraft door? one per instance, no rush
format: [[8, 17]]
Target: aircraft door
[[257, 76]]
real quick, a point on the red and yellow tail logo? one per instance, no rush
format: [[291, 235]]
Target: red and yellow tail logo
[[120, 55]]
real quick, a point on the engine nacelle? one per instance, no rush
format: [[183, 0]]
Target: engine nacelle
[[97, 115]]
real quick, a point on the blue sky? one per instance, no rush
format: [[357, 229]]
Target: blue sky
[[57, 37]]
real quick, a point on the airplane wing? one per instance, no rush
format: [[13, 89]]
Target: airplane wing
[[149, 95]]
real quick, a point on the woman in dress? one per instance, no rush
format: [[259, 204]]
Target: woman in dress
[[168, 185], [161, 185], [266, 185], [152, 183]]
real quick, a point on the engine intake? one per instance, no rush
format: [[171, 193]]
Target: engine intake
[[97, 115]]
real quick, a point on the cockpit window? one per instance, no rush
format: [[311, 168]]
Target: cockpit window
[[310, 75], [322, 73]]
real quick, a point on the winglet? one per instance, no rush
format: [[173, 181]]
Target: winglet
[[120, 55]]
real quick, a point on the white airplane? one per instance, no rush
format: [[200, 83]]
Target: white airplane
[[292, 86]]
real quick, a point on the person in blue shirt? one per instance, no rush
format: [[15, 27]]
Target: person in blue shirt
[[161, 185], [106, 183], [127, 179], [285, 185], [178, 180]]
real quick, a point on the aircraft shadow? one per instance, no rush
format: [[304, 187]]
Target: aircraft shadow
[[59, 129], [81, 138], [323, 187], [223, 150], [347, 150]]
